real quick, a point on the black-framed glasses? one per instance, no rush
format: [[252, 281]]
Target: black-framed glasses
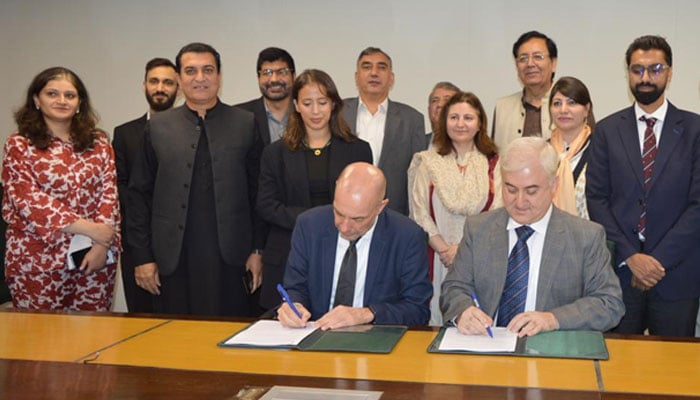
[[280, 72], [653, 70]]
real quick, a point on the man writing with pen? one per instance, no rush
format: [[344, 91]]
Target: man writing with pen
[[356, 262], [533, 267]]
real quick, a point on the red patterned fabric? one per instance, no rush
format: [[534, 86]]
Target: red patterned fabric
[[493, 161], [45, 191]]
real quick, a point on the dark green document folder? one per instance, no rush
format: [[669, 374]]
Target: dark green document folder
[[554, 344], [358, 339]]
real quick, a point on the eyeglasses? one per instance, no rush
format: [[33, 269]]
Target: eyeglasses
[[280, 72], [653, 70], [536, 57]]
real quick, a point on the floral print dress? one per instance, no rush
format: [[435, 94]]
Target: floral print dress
[[45, 191]]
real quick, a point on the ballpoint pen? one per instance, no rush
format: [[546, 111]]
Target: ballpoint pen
[[476, 303], [286, 298]]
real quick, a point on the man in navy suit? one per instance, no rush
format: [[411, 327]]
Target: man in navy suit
[[391, 284], [643, 185], [275, 70], [160, 87]]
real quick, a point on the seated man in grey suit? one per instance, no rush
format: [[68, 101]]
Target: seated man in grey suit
[[394, 130], [357, 262], [533, 267]]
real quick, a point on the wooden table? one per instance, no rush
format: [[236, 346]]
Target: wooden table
[[646, 366], [192, 345], [64, 337], [162, 354]]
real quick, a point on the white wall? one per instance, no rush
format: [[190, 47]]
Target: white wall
[[468, 42], [465, 41]]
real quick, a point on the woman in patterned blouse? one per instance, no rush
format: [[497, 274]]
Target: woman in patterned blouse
[[59, 182]]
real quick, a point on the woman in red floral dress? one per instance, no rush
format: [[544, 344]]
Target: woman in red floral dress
[[59, 181]]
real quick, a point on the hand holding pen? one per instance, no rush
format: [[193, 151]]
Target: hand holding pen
[[289, 314], [478, 306]]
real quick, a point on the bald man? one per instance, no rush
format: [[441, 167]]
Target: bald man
[[357, 262]]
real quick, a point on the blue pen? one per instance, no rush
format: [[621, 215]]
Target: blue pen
[[476, 303], [286, 298]]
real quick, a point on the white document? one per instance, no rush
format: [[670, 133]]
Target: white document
[[503, 340], [81, 242], [268, 333]]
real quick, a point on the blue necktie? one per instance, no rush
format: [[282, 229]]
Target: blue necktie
[[515, 290]]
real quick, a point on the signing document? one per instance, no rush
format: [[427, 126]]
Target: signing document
[[268, 333], [503, 341]]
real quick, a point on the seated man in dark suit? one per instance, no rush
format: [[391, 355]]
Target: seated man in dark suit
[[533, 267], [356, 262]]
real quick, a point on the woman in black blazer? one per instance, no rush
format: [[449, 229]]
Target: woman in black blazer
[[299, 171]]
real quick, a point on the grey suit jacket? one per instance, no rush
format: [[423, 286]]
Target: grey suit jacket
[[159, 185], [576, 282], [404, 135]]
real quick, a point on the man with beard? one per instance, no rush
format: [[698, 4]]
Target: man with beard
[[160, 87], [521, 114], [643, 185], [275, 70]]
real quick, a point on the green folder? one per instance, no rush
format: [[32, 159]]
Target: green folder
[[554, 344], [358, 339]]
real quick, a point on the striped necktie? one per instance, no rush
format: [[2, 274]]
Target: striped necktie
[[648, 157], [515, 290]]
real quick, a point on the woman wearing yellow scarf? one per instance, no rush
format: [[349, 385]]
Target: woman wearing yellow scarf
[[571, 112]]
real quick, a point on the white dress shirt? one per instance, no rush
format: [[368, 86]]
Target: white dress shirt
[[362, 247], [659, 114], [370, 128], [535, 245]]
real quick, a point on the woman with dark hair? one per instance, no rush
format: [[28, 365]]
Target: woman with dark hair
[[571, 112], [60, 182], [455, 178], [299, 171]]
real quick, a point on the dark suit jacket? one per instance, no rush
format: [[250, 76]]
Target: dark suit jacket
[[283, 194], [257, 107], [615, 191], [128, 144], [159, 186], [404, 135], [397, 285], [575, 283]]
